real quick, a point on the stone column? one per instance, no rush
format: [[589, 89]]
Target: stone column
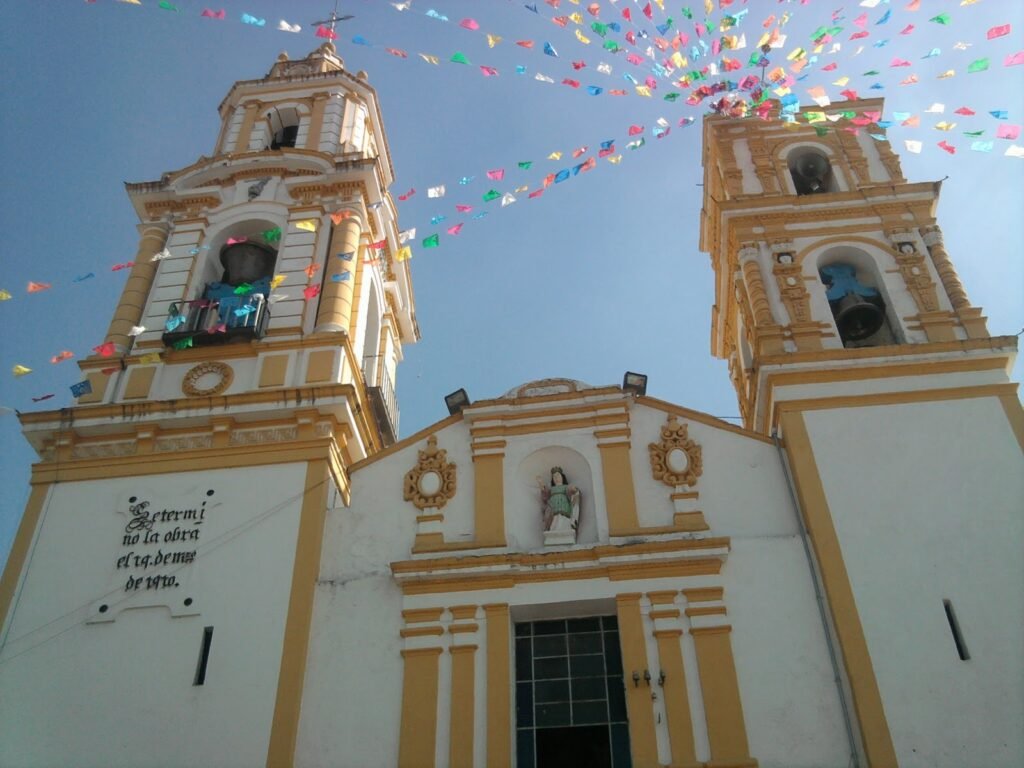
[[336, 297], [153, 237], [766, 331], [245, 130]]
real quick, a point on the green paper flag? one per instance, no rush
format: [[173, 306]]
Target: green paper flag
[[242, 289], [942, 18], [272, 235], [183, 343], [821, 130], [459, 58], [526, 165], [611, 45], [870, 73], [492, 195], [974, 133], [672, 96], [978, 65], [431, 242]]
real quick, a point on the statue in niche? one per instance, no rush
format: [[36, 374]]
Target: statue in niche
[[561, 508]]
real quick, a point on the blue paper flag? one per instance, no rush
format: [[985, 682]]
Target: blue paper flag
[[549, 50], [81, 388]]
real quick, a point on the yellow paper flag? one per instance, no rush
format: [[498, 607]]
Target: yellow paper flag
[[308, 225], [643, 90], [430, 59], [4, 295], [493, 40], [20, 370], [277, 280], [152, 357], [555, 156], [947, 74], [404, 254], [841, 81], [615, 160]]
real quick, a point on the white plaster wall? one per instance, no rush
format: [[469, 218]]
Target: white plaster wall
[[234, 126], [926, 499], [869, 146], [745, 162], [121, 693], [351, 708]]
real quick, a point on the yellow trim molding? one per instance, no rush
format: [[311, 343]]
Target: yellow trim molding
[[867, 700], [620, 498], [489, 500], [677, 702], [20, 548], [284, 728]]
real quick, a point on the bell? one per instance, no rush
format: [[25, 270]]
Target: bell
[[857, 318], [246, 262], [812, 170]]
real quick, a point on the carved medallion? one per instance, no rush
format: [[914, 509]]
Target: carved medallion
[[206, 379], [431, 483], [676, 460]]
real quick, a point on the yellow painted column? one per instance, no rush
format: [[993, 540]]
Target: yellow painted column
[[152, 238], [499, 686], [720, 691], [619, 495], [418, 735], [677, 703], [335, 311], [460, 745], [867, 699], [284, 729], [316, 121], [643, 742], [489, 499]]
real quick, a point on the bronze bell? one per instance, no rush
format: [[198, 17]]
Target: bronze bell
[[246, 262], [857, 318], [811, 172]]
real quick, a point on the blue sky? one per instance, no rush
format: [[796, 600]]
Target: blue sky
[[600, 275]]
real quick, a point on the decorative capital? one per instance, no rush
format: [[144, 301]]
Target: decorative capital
[[431, 483], [675, 459], [747, 252], [932, 236]]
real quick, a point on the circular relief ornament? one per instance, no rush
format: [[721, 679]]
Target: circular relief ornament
[[207, 379], [676, 459], [431, 483]]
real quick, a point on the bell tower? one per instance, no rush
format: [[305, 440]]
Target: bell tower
[[174, 529], [829, 265], [274, 265], [851, 341]]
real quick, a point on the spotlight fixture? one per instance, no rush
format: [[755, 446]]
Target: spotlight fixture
[[635, 383], [456, 401]]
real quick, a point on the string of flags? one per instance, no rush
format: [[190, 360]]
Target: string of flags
[[700, 58]]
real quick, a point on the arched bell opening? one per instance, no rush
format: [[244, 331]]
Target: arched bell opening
[[858, 305], [233, 298], [811, 172], [283, 127]]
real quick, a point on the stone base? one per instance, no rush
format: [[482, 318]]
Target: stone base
[[559, 538]]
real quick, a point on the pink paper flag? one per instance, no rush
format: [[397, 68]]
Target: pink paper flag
[[947, 147], [469, 24], [1001, 31], [311, 291], [208, 14], [964, 111], [1008, 132], [496, 175], [463, 208], [106, 349], [1014, 58], [907, 29], [488, 71], [455, 229], [636, 130]]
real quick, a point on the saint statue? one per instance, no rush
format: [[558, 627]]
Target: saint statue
[[561, 510]]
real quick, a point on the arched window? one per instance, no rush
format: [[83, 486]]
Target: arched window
[[811, 172], [857, 306]]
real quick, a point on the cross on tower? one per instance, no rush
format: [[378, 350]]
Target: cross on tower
[[333, 20]]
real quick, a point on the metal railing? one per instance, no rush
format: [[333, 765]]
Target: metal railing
[[381, 392], [207, 321]]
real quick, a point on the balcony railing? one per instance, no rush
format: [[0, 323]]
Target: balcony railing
[[383, 402], [216, 320]]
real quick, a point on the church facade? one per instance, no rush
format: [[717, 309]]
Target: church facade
[[229, 557]]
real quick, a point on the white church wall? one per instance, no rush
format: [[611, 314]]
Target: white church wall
[[930, 513], [68, 674]]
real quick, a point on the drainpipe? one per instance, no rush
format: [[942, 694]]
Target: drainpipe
[[820, 599]]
